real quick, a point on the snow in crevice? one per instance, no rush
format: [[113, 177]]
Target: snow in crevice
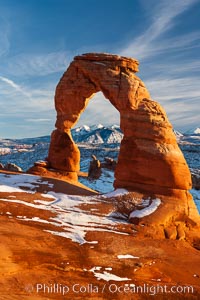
[[73, 222], [78, 221], [99, 63], [71, 218], [106, 276], [116, 193], [44, 207], [126, 256], [146, 211]]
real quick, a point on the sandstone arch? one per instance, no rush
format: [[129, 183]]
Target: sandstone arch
[[149, 157], [150, 161]]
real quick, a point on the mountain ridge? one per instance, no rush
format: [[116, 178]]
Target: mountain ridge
[[96, 139], [96, 133]]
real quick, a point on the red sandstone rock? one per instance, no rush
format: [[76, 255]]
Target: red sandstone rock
[[149, 154], [150, 151], [94, 171], [42, 163], [150, 161], [63, 152]]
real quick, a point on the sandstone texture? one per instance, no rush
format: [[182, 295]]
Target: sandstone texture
[[38, 246], [150, 159]]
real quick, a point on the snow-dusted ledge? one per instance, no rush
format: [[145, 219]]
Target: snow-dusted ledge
[[116, 193], [124, 256], [145, 211]]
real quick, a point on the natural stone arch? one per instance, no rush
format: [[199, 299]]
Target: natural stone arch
[[150, 161], [148, 143], [86, 75]]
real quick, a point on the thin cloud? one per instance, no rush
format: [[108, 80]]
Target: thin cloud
[[184, 42], [162, 20], [14, 85], [38, 120], [38, 64], [176, 69], [172, 81], [163, 78], [17, 100], [166, 89]]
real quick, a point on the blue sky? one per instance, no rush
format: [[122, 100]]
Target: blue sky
[[39, 38]]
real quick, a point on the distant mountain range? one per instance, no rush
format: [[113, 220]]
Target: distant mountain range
[[24, 152], [96, 139], [97, 134]]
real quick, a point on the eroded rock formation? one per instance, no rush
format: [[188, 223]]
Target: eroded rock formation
[[150, 161], [86, 75], [149, 152], [94, 171]]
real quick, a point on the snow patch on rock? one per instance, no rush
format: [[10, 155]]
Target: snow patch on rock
[[116, 193], [106, 276], [124, 256], [146, 211]]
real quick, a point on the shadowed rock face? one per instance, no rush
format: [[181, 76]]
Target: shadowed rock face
[[150, 159]]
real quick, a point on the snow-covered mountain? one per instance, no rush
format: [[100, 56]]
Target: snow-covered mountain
[[197, 131], [193, 131], [178, 134], [97, 134], [99, 140], [81, 130], [24, 152]]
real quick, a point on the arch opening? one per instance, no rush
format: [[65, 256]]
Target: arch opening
[[99, 110], [97, 133]]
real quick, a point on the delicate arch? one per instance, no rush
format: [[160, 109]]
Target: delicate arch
[[149, 155]]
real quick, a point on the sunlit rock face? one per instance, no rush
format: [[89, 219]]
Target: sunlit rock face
[[150, 159]]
